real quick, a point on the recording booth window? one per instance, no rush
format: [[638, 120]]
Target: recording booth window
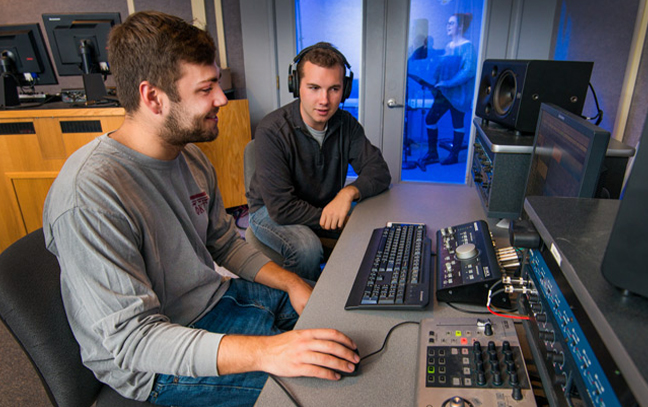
[[441, 67]]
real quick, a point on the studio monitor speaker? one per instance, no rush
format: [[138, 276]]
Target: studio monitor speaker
[[511, 91], [624, 262]]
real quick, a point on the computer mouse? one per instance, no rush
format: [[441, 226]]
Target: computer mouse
[[355, 372]]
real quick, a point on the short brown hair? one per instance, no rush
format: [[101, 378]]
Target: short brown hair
[[322, 54], [150, 46]]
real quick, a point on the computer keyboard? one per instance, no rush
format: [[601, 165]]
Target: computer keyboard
[[396, 271]]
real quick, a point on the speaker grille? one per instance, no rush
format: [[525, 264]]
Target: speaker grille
[[81, 126], [17, 128]]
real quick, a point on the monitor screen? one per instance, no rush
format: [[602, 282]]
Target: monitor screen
[[23, 54], [568, 154], [79, 41]]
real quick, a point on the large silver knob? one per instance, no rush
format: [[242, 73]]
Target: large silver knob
[[466, 251]]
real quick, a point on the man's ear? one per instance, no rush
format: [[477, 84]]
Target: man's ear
[[151, 97]]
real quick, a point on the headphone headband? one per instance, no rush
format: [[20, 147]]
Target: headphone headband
[[293, 73], [320, 45]]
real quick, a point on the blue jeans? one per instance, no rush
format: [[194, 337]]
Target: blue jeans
[[299, 245], [248, 309]]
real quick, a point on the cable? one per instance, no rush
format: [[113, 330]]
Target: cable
[[392, 329], [488, 306], [599, 112], [288, 393], [507, 316], [387, 338]]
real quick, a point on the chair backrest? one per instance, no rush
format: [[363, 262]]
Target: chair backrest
[[32, 309], [249, 164]]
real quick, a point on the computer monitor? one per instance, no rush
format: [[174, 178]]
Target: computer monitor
[[24, 61], [568, 154], [79, 47]]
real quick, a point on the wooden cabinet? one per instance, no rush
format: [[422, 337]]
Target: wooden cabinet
[[34, 144]]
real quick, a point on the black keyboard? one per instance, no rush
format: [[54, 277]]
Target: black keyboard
[[396, 271]]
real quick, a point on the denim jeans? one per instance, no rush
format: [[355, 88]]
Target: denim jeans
[[248, 309], [299, 245]]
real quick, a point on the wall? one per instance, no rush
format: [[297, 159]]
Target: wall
[[259, 48], [600, 31], [639, 107], [30, 11]]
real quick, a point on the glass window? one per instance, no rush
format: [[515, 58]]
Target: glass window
[[443, 43]]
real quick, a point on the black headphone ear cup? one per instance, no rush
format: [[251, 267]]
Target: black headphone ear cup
[[348, 85], [293, 83]]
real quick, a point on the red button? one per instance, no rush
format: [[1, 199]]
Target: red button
[[464, 341]]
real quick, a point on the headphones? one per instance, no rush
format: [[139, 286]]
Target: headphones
[[293, 74]]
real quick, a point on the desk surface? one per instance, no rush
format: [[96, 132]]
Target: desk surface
[[389, 378]]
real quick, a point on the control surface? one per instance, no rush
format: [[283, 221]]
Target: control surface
[[471, 362]]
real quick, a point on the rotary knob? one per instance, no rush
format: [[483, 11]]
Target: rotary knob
[[466, 251], [456, 402]]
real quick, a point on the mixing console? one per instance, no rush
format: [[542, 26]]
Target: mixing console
[[471, 362]]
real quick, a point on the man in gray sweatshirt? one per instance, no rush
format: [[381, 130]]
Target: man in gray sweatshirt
[[136, 221]]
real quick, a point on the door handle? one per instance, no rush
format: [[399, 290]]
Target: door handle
[[392, 104]]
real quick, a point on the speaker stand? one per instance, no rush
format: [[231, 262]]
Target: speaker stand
[[94, 87], [9, 90]]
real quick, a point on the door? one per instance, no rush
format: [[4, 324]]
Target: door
[[426, 124]]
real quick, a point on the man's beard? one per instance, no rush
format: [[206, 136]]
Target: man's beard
[[176, 134]]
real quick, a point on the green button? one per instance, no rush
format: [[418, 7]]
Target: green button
[[457, 333], [431, 369]]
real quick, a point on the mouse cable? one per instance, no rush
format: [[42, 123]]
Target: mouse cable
[[392, 329], [285, 390], [387, 338]]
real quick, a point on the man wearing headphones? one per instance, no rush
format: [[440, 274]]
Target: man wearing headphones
[[297, 193]]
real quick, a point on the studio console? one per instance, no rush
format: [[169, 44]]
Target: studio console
[[471, 362]]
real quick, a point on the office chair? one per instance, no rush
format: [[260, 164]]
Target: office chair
[[32, 309], [249, 166]]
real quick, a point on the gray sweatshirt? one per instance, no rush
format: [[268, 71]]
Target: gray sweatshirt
[[136, 239]]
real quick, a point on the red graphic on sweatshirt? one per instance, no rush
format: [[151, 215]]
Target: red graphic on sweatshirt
[[199, 202]]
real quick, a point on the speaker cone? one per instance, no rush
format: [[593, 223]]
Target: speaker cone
[[504, 94]]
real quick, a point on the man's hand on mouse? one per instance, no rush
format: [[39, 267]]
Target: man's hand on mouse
[[312, 352]]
